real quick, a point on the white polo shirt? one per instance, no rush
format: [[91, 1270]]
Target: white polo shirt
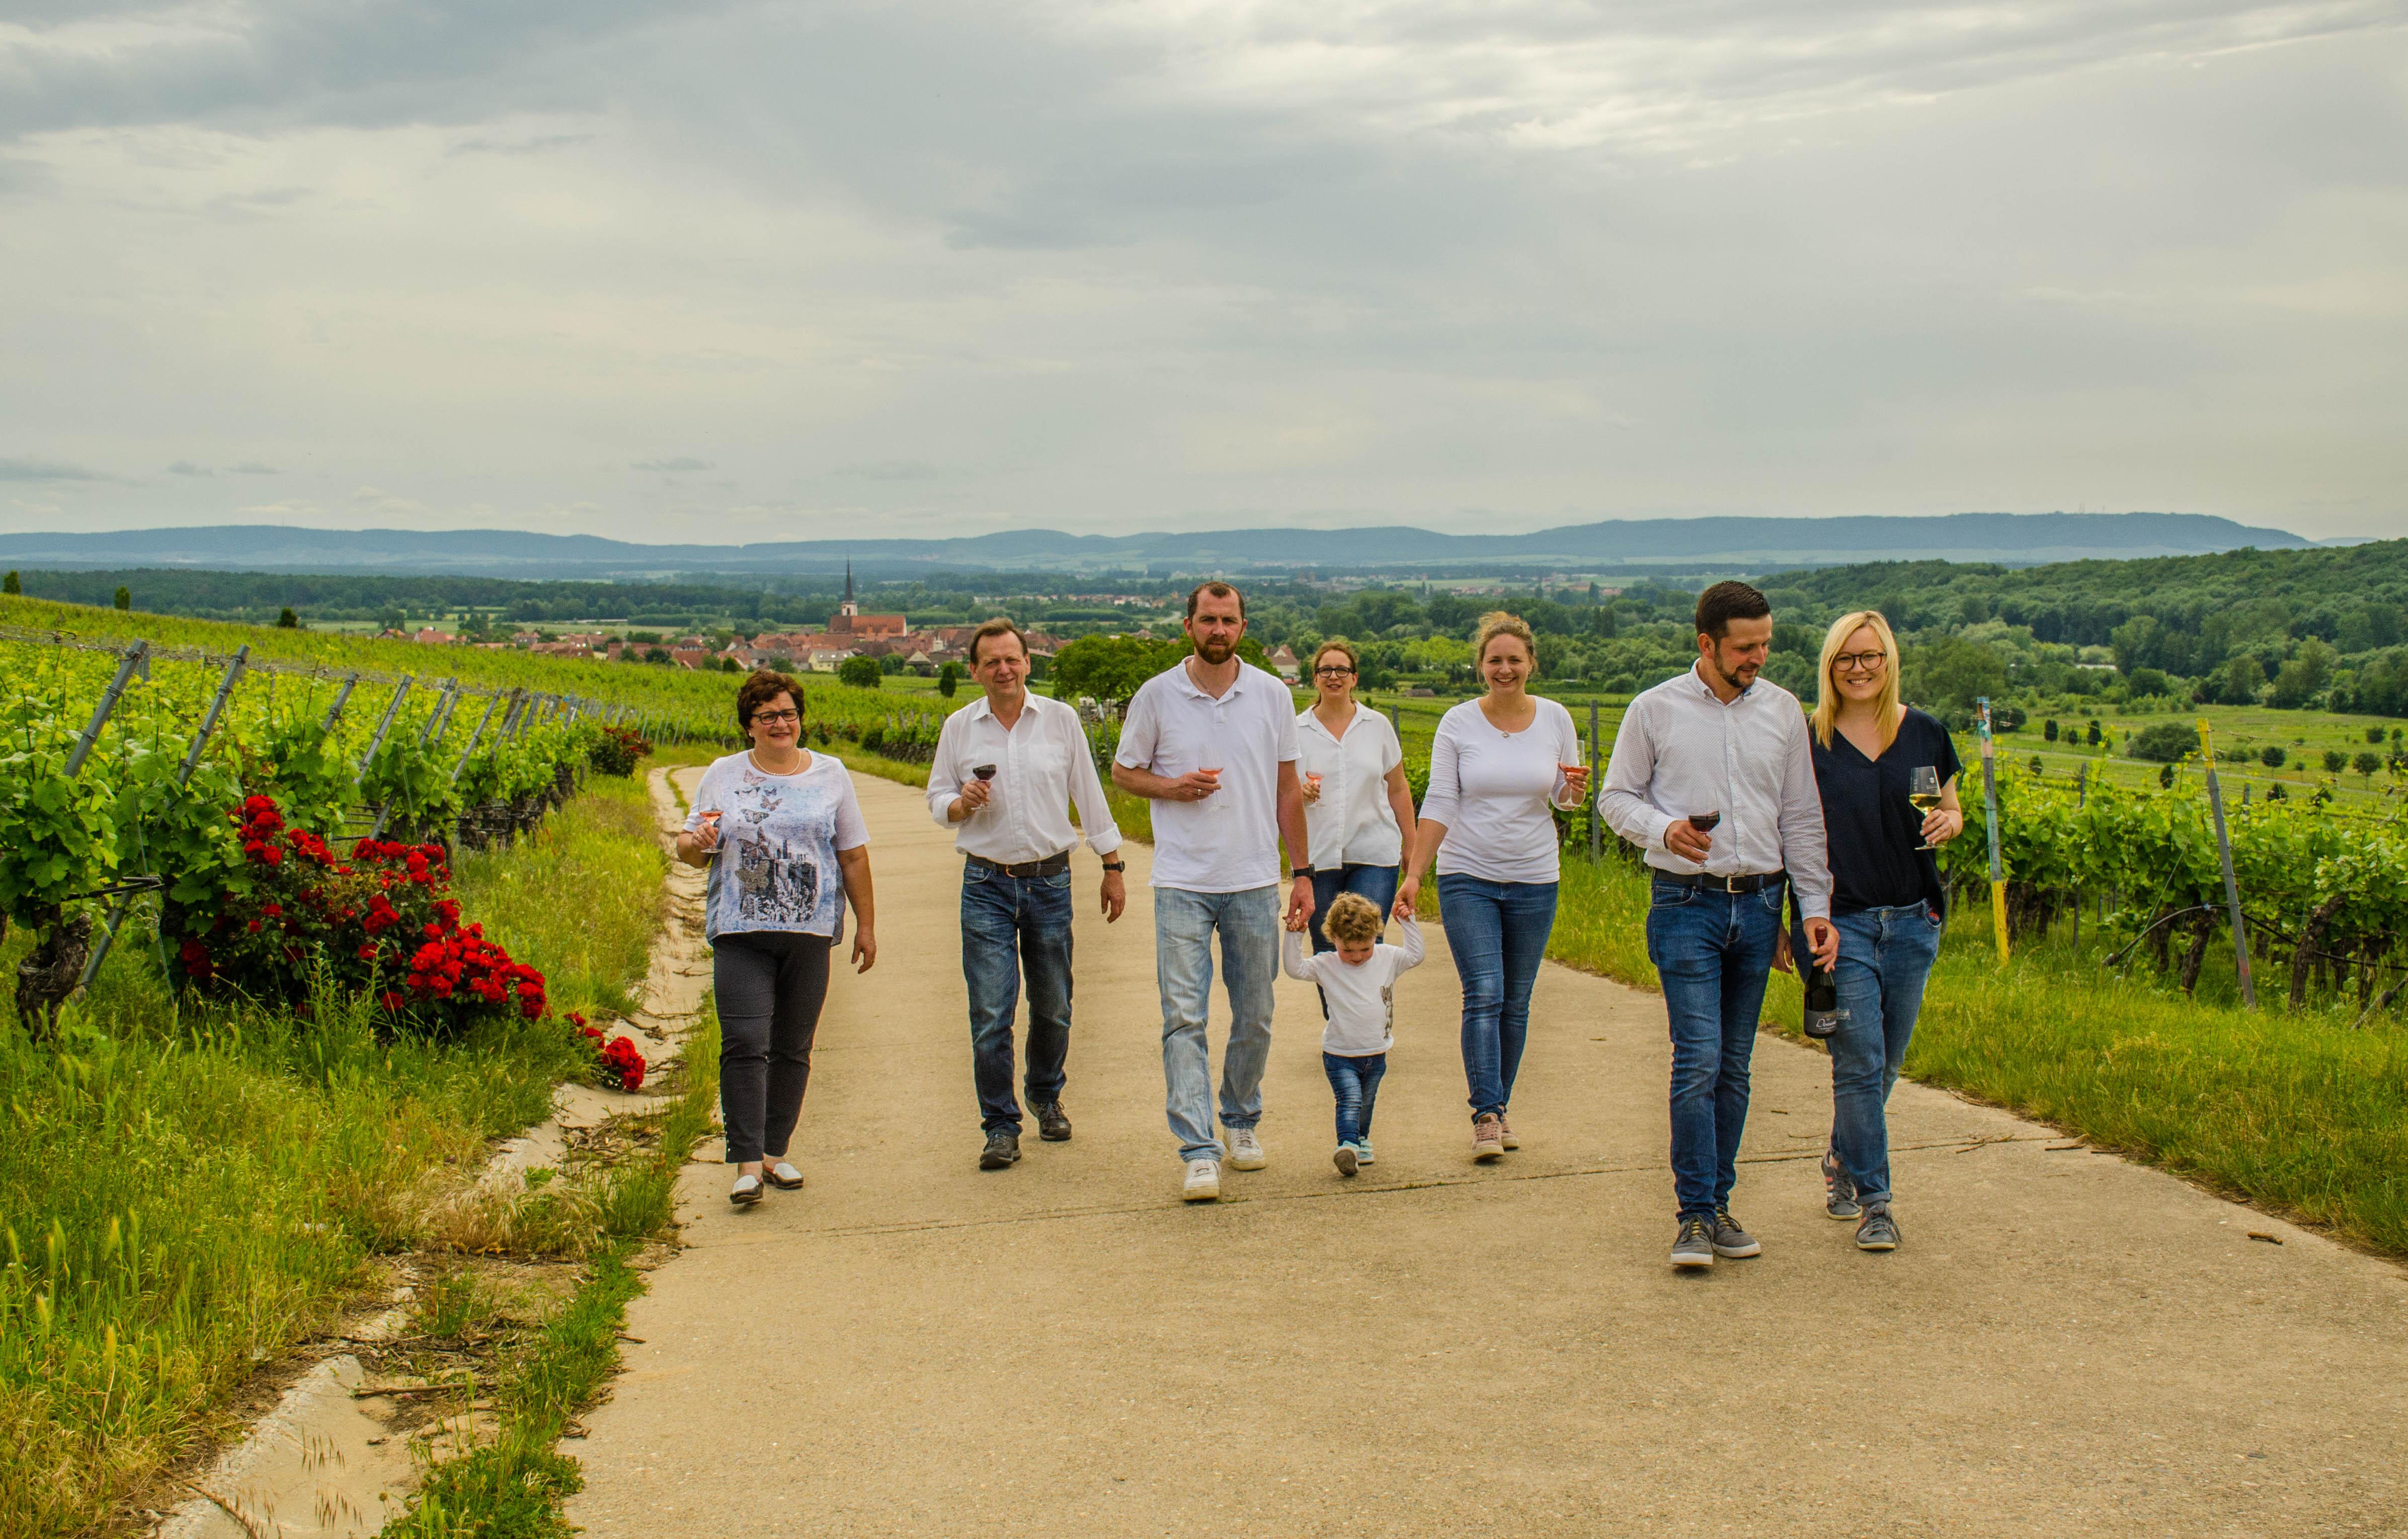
[[1229, 840], [1350, 823]]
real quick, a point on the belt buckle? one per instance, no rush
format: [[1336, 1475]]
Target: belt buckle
[[1731, 887]]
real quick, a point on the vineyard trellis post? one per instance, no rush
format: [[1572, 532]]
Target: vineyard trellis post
[[183, 778], [1990, 818], [462, 762], [2224, 858], [342, 697], [135, 656], [442, 699], [392, 708], [2081, 797], [1596, 840]]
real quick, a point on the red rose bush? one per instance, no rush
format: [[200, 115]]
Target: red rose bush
[[616, 1063]]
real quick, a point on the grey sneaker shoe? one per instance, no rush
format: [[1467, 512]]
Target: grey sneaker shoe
[[1838, 1188], [1731, 1240], [1878, 1230], [1695, 1247], [1245, 1150], [1002, 1150]]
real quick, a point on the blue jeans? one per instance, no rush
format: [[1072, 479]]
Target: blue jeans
[[1885, 957], [1713, 951], [1009, 923], [1356, 1082], [1497, 931], [1376, 883], [1183, 923]]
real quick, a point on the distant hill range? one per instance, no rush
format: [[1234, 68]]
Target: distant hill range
[[1686, 543]]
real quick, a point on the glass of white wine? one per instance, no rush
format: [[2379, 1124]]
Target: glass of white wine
[[1923, 790]]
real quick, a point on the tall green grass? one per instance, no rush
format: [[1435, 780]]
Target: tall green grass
[[2296, 1111], [185, 1193]]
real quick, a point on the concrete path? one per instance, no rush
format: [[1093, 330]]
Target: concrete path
[[2066, 1345]]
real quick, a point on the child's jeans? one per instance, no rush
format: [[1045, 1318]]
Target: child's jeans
[[1357, 1084]]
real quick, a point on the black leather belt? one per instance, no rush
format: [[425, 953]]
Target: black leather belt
[[1722, 884], [1053, 864]]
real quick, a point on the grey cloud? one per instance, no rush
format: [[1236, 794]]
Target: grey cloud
[[683, 464], [253, 468], [34, 469], [186, 467]]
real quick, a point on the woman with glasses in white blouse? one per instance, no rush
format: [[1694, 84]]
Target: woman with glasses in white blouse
[[1500, 767], [1359, 811]]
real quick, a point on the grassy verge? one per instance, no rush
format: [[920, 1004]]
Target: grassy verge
[[516, 1482], [187, 1194], [2294, 1112]]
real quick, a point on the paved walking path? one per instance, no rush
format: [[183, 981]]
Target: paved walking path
[[2068, 1345]]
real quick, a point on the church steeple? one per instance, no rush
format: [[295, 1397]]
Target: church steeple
[[848, 608]]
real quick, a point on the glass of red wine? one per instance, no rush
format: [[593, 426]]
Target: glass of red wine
[[1704, 822], [983, 772]]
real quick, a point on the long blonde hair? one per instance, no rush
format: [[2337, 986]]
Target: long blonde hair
[[1826, 692]]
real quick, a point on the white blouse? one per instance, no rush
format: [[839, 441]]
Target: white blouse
[[1493, 790], [1350, 823]]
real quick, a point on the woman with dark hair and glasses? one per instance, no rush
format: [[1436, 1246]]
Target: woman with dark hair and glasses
[[781, 834], [1359, 811], [1887, 774]]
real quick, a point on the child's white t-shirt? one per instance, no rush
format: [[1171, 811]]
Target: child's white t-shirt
[[1362, 999]]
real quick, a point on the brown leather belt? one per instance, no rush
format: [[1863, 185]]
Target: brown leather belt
[[1053, 864]]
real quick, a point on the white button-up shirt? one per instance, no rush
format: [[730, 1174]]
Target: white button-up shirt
[[1680, 750], [1229, 840], [1350, 823], [1043, 768]]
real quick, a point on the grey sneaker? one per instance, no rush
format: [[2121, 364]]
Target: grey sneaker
[[1695, 1247], [1002, 1150], [1838, 1188], [1731, 1240], [1245, 1150], [1878, 1230]]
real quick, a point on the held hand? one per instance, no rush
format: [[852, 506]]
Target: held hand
[[1195, 786], [1311, 786], [1823, 940], [974, 795], [1115, 896], [1299, 902], [864, 948], [1781, 957], [1940, 826], [1685, 840], [1296, 922], [1409, 898], [1576, 781]]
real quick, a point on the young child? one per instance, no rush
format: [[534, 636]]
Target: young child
[[1358, 982]]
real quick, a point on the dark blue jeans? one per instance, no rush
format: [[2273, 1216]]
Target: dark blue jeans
[[1009, 924], [1376, 883], [1713, 951], [1497, 931], [1356, 1082], [1886, 954]]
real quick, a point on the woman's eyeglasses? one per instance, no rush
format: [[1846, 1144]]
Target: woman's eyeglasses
[[775, 718], [1333, 672], [1860, 662]]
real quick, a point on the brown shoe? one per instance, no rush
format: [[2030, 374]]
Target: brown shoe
[[1487, 1136], [1505, 1134]]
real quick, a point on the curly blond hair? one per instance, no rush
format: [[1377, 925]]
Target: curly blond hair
[[1498, 623], [1352, 920]]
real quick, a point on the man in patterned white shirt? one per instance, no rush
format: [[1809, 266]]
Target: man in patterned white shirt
[[1008, 769]]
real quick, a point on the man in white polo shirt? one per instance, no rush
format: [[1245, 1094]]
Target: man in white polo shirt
[[1212, 742], [1007, 770]]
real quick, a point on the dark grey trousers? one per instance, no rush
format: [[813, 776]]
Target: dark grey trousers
[[770, 985]]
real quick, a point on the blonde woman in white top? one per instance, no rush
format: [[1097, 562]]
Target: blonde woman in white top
[[1359, 811], [1500, 766]]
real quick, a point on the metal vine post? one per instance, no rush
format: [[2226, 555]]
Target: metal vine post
[[2224, 858], [1990, 812]]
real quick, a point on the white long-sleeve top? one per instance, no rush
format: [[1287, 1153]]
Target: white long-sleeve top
[[1043, 769], [1493, 789], [1680, 750], [1362, 998]]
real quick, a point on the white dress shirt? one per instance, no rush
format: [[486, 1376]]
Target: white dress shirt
[[1043, 767], [1229, 840], [1493, 789], [1362, 996], [1350, 823], [1680, 750]]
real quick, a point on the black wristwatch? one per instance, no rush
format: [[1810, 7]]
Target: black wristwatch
[[1115, 865], [1296, 873]]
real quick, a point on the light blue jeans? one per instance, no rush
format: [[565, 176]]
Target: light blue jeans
[[1183, 923], [1886, 954]]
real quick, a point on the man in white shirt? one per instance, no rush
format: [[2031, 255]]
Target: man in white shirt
[[1008, 769], [1711, 776], [1212, 742]]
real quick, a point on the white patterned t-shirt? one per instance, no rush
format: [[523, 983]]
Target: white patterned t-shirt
[[778, 835]]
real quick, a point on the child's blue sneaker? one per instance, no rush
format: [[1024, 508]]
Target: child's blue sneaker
[[1345, 1159], [1362, 1151]]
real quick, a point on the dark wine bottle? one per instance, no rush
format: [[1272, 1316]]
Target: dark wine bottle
[[1822, 1012]]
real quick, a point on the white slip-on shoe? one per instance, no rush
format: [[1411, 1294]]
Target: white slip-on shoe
[[1203, 1181], [1245, 1150], [783, 1176], [746, 1191]]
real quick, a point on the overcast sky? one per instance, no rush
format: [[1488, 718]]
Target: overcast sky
[[740, 271]]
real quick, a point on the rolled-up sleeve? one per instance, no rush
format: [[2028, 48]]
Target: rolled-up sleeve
[[944, 784], [1804, 850], [1622, 801], [1095, 821]]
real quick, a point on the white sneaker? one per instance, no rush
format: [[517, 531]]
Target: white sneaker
[[1203, 1181], [1346, 1159], [1245, 1151], [1363, 1152]]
